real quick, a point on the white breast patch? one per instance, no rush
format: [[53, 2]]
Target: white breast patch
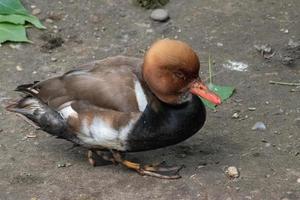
[[140, 96]]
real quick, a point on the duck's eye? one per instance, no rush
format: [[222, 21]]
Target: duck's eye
[[180, 75]]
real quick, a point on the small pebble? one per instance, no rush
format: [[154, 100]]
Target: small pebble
[[50, 21], [267, 144], [31, 135], [235, 115], [19, 68], [33, 6], [298, 180], [277, 132], [60, 165], [232, 172], [219, 44], [293, 44], [53, 59], [36, 11], [260, 126], [251, 108], [160, 15], [17, 46]]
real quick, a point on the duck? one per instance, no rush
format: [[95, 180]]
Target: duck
[[123, 104]]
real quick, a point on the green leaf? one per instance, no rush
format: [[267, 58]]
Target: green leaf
[[21, 19], [224, 92], [12, 32], [8, 7]]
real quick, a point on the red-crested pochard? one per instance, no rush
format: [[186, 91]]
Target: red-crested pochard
[[123, 104]]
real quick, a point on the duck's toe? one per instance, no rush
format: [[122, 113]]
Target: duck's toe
[[99, 158], [155, 170]]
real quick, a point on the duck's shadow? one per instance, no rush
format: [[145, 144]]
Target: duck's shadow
[[196, 151]]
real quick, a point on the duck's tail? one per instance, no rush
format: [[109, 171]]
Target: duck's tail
[[40, 114]]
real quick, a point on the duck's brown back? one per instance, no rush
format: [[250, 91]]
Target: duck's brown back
[[108, 83]]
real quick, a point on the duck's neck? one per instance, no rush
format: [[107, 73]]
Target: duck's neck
[[162, 125]]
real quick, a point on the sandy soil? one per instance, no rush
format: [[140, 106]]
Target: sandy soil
[[269, 161]]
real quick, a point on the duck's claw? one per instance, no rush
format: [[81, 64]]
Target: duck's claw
[[162, 168], [156, 170]]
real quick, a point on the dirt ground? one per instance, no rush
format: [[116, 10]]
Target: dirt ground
[[46, 168]]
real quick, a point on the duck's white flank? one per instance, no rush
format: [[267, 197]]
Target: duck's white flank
[[99, 133], [140, 96]]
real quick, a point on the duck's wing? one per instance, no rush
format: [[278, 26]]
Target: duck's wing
[[95, 105], [112, 83]]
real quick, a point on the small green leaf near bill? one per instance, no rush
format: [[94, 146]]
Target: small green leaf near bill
[[12, 32], [224, 92]]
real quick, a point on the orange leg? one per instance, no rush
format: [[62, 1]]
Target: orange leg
[[150, 170], [155, 170]]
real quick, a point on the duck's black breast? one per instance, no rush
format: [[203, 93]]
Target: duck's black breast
[[167, 126]]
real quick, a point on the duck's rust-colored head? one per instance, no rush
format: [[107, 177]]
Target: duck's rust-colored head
[[171, 70]]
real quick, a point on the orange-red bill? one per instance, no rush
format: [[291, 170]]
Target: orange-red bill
[[198, 88]]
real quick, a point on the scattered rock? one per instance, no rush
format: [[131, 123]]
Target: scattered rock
[[50, 21], [36, 11], [232, 172], [267, 144], [53, 59], [235, 66], [17, 46], [160, 15], [265, 50], [219, 44], [298, 180], [236, 115], [277, 132], [251, 108], [19, 68], [284, 30], [31, 135], [260, 126], [60, 165], [292, 44]]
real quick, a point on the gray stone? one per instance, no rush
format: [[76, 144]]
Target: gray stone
[[36, 11], [159, 15], [260, 126]]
